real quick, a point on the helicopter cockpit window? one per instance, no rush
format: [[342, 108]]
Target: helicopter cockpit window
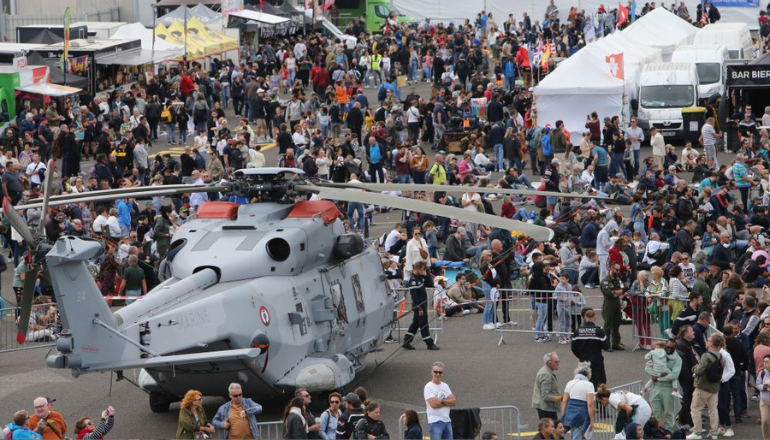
[[174, 248], [278, 249]]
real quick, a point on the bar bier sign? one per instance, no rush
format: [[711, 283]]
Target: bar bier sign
[[748, 76]]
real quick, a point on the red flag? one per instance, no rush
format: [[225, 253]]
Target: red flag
[[261, 4], [616, 65], [622, 14]]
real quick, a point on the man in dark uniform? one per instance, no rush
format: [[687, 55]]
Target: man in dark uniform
[[686, 351], [587, 346], [417, 284], [613, 289]]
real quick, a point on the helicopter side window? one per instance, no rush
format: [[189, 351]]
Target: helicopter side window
[[278, 249], [174, 248]]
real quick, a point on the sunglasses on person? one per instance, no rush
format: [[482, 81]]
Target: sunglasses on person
[[236, 395], [334, 402], [438, 372]]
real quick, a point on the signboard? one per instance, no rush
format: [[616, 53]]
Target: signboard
[[76, 65], [748, 76], [20, 63], [735, 3], [229, 6]]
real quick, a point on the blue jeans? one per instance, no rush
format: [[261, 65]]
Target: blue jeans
[[489, 306], [440, 431], [366, 77], [542, 314], [427, 73], [636, 162], [761, 281], [132, 293], [500, 164], [573, 276], [170, 132], [355, 206], [125, 230], [403, 178]]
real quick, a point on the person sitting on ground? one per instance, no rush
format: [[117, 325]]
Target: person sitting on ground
[[460, 293]]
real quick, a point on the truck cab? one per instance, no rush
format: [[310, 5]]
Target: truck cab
[[709, 60], [376, 12], [666, 88]]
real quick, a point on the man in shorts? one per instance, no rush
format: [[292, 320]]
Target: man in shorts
[[708, 137]]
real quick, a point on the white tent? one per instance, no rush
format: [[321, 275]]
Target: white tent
[[635, 56], [149, 54], [663, 30], [578, 86]]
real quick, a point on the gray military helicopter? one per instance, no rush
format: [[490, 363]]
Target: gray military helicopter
[[272, 294]]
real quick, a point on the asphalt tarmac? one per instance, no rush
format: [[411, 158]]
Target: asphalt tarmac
[[480, 372]]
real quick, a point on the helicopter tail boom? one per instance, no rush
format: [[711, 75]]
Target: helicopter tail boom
[[89, 329]]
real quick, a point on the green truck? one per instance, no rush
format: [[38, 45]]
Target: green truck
[[375, 11]]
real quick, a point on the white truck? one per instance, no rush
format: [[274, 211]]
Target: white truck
[[709, 60], [664, 89]]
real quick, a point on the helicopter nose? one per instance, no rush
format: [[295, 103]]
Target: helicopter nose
[[261, 342]]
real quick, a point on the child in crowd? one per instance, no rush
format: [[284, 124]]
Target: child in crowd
[[657, 360], [284, 74], [563, 307], [275, 80], [576, 307], [639, 245], [429, 229]]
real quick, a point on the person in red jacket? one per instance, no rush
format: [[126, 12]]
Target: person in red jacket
[[320, 77], [86, 429], [186, 84], [617, 255]]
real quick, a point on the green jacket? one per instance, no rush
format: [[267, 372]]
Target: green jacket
[[187, 424], [701, 381], [674, 363], [545, 391], [162, 231]]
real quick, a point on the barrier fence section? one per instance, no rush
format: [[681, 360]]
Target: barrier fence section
[[404, 299], [42, 336], [270, 430], [524, 316], [653, 318], [604, 420], [505, 421]]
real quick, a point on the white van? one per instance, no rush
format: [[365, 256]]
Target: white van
[[664, 89], [709, 60], [736, 36]]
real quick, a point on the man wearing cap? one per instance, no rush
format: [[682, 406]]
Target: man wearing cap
[[690, 313], [658, 146], [615, 188], [354, 412], [46, 422], [551, 178]]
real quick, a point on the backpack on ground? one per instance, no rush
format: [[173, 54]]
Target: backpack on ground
[[715, 369]]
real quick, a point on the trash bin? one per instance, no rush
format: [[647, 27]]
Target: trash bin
[[692, 119]]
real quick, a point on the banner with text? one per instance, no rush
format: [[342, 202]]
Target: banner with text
[[736, 3], [77, 65]]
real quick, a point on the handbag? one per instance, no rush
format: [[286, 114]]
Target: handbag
[[423, 253]]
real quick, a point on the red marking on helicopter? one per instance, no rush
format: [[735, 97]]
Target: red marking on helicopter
[[321, 208], [227, 210]]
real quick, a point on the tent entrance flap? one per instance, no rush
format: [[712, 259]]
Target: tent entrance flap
[[49, 89]]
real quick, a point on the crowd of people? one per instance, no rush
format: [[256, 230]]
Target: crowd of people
[[685, 265]]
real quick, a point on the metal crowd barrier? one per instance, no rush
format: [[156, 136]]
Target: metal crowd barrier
[[270, 430], [35, 338], [504, 421], [652, 319], [604, 421], [519, 304], [405, 299]]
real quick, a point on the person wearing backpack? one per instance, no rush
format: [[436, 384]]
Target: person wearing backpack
[[708, 378]]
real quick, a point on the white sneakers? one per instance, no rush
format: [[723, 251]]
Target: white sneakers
[[694, 436], [729, 432], [466, 312], [490, 326]]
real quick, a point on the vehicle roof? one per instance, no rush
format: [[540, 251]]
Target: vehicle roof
[[721, 27], [667, 67], [700, 47]]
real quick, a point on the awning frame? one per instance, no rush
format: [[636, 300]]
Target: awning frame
[[46, 89], [139, 57]]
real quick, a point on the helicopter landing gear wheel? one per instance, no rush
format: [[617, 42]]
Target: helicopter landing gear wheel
[[159, 402]]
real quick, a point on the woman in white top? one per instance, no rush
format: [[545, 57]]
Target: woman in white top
[[577, 404], [366, 62], [323, 162], [291, 66], [413, 248], [625, 401]]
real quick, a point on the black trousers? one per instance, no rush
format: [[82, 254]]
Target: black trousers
[[419, 323], [684, 413]]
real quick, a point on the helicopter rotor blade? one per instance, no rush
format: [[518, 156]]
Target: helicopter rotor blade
[[28, 295], [99, 196], [109, 192], [378, 187], [47, 184], [18, 223], [537, 232]]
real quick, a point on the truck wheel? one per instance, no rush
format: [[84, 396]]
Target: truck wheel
[[159, 402]]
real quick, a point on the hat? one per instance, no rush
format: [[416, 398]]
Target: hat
[[50, 399], [462, 230], [703, 269], [672, 167], [353, 399], [260, 90], [439, 279], [621, 175], [625, 233], [740, 156], [555, 161]]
